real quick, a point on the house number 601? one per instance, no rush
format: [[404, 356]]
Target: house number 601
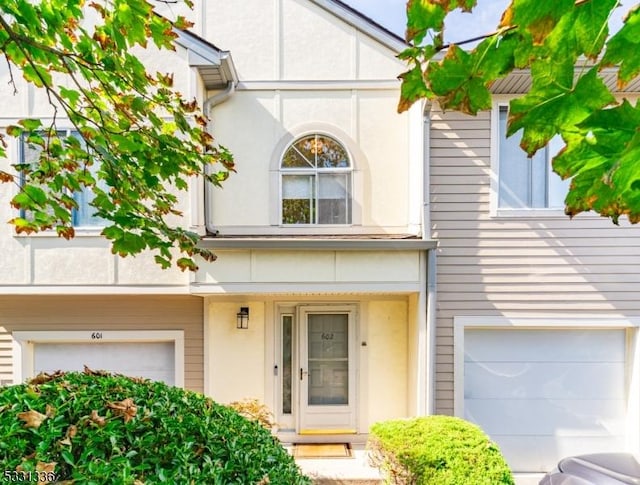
[[96, 335]]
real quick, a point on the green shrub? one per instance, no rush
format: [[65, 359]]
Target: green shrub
[[96, 428], [436, 450], [254, 410]]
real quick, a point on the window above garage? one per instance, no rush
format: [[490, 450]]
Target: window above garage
[[524, 186]]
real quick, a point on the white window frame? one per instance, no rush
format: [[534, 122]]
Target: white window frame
[[315, 171], [495, 210], [630, 324], [24, 349]]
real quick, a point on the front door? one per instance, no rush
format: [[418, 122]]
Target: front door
[[326, 374]]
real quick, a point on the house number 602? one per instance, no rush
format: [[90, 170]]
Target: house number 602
[[96, 335], [327, 336]]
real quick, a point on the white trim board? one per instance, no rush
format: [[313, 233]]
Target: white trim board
[[23, 349]]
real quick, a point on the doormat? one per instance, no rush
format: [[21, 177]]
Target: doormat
[[322, 450]]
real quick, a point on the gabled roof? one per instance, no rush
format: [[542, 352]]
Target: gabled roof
[[215, 65], [353, 17]]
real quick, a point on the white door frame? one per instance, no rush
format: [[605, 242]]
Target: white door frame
[[24, 350], [328, 419]]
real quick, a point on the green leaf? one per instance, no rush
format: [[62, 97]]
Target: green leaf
[[547, 111], [128, 244], [623, 49], [539, 17], [412, 89], [31, 124]]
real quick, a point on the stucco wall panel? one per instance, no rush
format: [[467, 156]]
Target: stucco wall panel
[[388, 360], [79, 261], [377, 266], [248, 125], [332, 107], [252, 38], [375, 61], [316, 47], [263, 266], [285, 266], [236, 362], [387, 148], [230, 267], [142, 269]]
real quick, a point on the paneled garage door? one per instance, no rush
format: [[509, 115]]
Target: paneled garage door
[[152, 360], [543, 394]]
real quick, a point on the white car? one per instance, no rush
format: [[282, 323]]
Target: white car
[[596, 469]]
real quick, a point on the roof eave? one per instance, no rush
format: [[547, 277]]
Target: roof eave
[[318, 244], [215, 66]]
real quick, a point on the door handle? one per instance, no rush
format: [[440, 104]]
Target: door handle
[[303, 373]]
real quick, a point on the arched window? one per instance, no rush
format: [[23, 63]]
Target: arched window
[[316, 182]]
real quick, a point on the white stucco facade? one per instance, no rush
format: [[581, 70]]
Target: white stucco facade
[[337, 330]]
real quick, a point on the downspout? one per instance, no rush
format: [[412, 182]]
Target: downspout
[[208, 106], [430, 407]]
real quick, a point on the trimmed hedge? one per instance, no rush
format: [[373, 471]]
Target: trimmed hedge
[[95, 428], [436, 450]]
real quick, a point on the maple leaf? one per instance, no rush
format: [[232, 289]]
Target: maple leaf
[[32, 419], [46, 470], [96, 418], [71, 432], [125, 408], [43, 377]]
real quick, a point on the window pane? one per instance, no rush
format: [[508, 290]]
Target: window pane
[[293, 158], [330, 154], [287, 342], [298, 199], [333, 199], [328, 344], [558, 188], [306, 148], [523, 181]]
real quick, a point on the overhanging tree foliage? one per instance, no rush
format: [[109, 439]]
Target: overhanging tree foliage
[[566, 44], [137, 140]]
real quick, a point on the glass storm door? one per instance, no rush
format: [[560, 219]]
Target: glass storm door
[[327, 373]]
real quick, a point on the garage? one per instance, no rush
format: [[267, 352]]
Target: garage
[[156, 355], [151, 360], [543, 393]]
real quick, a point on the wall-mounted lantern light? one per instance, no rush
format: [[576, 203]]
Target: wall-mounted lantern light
[[242, 318]]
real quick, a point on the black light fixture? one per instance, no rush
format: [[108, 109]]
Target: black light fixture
[[242, 318]]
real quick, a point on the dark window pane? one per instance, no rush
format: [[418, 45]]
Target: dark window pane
[[287, 366], [298, 199]]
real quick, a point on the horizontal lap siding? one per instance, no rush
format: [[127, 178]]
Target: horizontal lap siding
[[6, 370], [111, 313], [514, 266]]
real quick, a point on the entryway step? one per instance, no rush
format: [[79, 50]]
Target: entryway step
[[354, 470]]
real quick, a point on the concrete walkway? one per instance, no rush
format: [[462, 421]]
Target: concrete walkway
[[357, 471], [343, 471]]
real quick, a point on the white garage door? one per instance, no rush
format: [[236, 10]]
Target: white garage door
[[152, 360], [545, 394]]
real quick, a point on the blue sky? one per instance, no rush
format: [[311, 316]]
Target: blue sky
[[461, 26], [391, 14]]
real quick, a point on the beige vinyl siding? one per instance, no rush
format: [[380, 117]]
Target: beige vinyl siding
[[6, 370], [508, 266], [161, 312]]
